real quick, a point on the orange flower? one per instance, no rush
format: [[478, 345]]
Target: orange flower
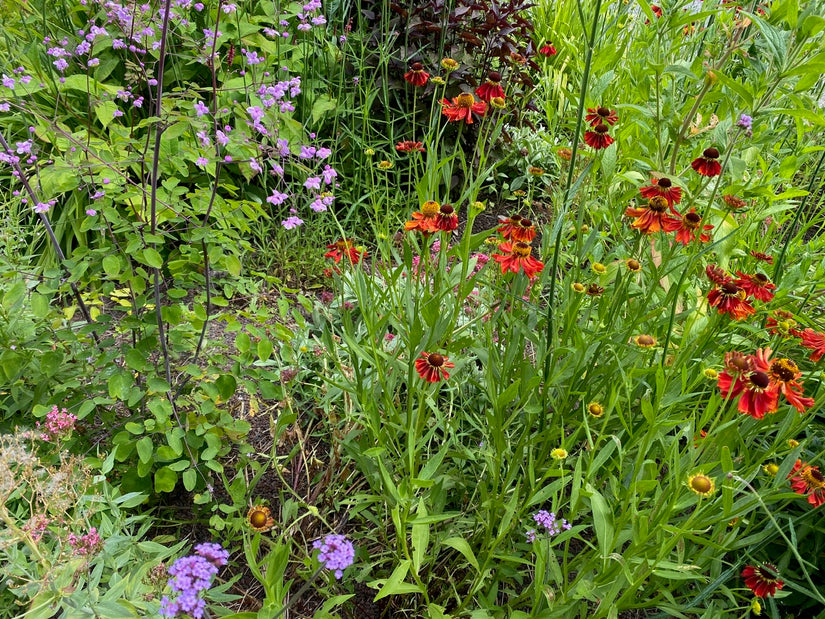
[[691, 223], [598, 138], [727, 296], [808, 480], [759, 396], [462, 108], [409, 146], [517, 256], [417, 76], [652, 217], [345, 247], [433, 367], [491, 87], [424, 220], [784, 375], [707, 164]]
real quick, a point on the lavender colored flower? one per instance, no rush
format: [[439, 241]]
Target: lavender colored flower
[[222, 138], [201, 162], [323, 153], [200, 108], [329, 174], [549, 521], [117, 113], [746, 122], [313, 182], [530, 535], [91, 212], [8, 82], [277, 198], [292, 222], [307, 152], [214, 553], [336, 553]]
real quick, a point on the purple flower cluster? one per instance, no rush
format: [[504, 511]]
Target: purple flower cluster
[[746, 122], [549, 521], [190, 576], [337, 553], [86, 545]]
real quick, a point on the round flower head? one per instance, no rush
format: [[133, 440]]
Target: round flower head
[[424, 220], [336, 553], [598, 268], [447, 219], [708, 164], [701, 484], [645, 341], [498, 102], [633, 265], [558, 453], [762, 580], [463, 107], [517, 257], [653, 216], [523, 231], [598, 138], [565, 153], [601, 115], [260, 518], [595, 409], [594, 290], [491, 87], [689, 226], [757, 285], [771, 469], [662, 187], [807, 479], [449, 65], [417, 76], [433, 367], [578, 287], [410, 146], [730, 299], [734, 202]]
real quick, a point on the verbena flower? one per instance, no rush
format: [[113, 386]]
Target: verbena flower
[[550, 522], [762, 580], [433, 367], [336, 553]]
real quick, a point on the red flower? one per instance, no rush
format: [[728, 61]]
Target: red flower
[[716, 275], [462, 108], [757, 286], [707, 164], [758, 395], [424, 220], [662, 187], [491, 87], [344, 247], [814, 341], [447, 219], [517, 256], [783, 323], [657, 11], [601, 115], [409, 146], [433, 367], [417, 76], [508, 224], [730, 381], [652, 217], [598, 138], [762, 580], [731, 299], [784, 375], [547, 49], [808, 480], [691, 223]]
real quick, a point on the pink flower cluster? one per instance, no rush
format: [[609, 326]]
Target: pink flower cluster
[[59, 424], [86, 545]]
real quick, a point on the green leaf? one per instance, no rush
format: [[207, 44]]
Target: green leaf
[[165, 479], [40, 305], [462, 545], [420, 538], [264, 349], [105, 112], [321, 106], [152, 258], [145, 448], [190, 478], [395, 584], [242, 342], [602, 520], [226, 385]]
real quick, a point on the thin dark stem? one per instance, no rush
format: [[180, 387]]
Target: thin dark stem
[[44, 219]]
